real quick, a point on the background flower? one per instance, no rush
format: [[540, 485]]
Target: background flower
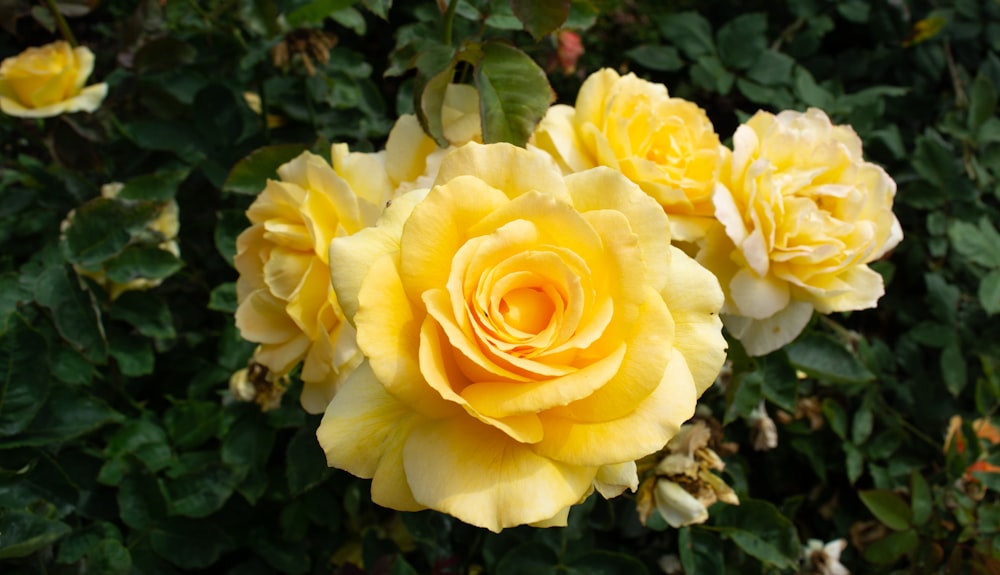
[[286, 303], [666, 145], [801, 215], [165, 225], [527, 338], [49, 80]]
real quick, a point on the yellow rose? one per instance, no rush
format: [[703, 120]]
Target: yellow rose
[[801, 215], [286, 303], [166, 225], [413, 158], [666, 145], [49, 80], [527, 336]]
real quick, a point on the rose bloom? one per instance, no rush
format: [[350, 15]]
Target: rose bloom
[[801, 214], [527, 336], [666, 145], [166, 224], [49, 80], [413, 158], [286, 302]]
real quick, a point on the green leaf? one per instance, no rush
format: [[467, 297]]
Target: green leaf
[[78, 544], [656, 57], [68, 413], [168, 136], [982, 102], [133, 355], [190, 543], [759, 529], [689, 31], [142, 262], [810, 92], [854, 462], [528, 559], [892, 547], [953, 369], [887, 507], [742, 40], [305, 465], [316, 11], [141, 501], [22, 533], [191, 423], [863, 422], [158, 187], [541, 17], [942, 298], [145, 312], [935, 162], [223, 298], [230, 225], [979, 244], [824, 358], [24, 385], [854, 10], [379, 8], [101, 228], [744, 396], [772, 69], [514, 94], [250, 175], [780, 384], [700, 551], [709, 73], [110, 557], [836, 417], [989, 292], [921, 504], [202, 489], [75, 315]]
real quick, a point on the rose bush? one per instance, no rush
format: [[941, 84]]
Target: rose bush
[[666, 145], [286, 303], [801, 214], [49, 80], [527, 336]]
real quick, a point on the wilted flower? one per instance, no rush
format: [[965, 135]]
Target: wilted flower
[[823, 559], [682, 486], [527, 336], [306, 43], [988, 436], [763, 431], [258, 384], [666, 145], [286, 303], [49, 80], [801, 215]]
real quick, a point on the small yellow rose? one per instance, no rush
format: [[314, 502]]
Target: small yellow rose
[[286, 303], [801, 214], [527, 336], [413, 158], [49, 80], [666, 145]]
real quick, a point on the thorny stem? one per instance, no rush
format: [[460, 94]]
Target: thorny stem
[[61, 23]]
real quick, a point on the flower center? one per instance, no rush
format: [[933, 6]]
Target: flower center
[[528, 310]]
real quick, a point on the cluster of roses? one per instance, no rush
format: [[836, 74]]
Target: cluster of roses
[[495, 332]]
